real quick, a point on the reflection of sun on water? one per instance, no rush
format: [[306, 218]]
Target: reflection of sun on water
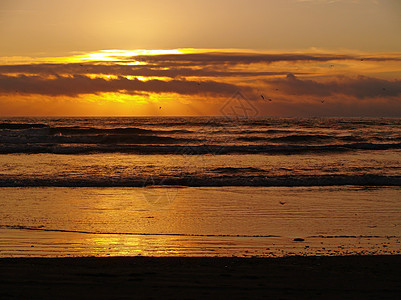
[[131, 245]]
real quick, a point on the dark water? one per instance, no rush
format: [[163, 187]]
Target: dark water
[[220, 151], [202, 135]]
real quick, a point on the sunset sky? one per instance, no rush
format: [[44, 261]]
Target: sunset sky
[[178, 58]]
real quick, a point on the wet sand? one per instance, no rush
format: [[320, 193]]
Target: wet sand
[[226, 221], [355, 277]]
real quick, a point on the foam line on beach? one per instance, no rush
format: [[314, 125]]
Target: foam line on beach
[[160, 145], [20, 227], [353, 236], [221, 177]]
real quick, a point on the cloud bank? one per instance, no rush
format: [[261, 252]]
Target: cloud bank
[[285, 77], [360, 87]]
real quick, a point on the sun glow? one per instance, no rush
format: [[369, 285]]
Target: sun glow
[[118, 55], [101, 56], [113, 56]]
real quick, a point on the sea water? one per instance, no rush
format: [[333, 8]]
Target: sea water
[[199, 186]]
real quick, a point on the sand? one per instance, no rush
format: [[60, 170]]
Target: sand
[[350, 277]]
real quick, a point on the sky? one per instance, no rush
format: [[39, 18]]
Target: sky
[[298, 58]]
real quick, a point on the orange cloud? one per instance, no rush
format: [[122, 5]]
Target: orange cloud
[[204, 80]]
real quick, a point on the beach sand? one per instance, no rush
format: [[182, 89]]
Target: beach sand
[[345, 277]]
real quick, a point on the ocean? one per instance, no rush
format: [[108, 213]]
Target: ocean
[[199, 186]]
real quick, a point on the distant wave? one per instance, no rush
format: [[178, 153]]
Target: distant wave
[[108, 131], [43, 137], [21, 125], [89, 131], [196, 136], [78, 130], [227, 179]]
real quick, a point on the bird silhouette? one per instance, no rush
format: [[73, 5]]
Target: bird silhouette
[[264, 98]]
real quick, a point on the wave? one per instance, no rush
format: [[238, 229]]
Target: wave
[[309, 138], [217, 180], [251, 138], [41, 138], [232, 170], [21, 125], [89, 131], [18, 128], [297, 138], [85, 145], [39, 144], [196, 136], [257, 131]]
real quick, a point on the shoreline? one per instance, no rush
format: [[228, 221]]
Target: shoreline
[[263, 222], [294, 277]]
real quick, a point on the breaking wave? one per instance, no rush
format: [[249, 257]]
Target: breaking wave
[[229, 178]]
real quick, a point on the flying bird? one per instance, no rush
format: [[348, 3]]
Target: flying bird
[[263, 97]]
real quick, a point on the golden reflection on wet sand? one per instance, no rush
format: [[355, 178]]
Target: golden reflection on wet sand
[[238, 221]]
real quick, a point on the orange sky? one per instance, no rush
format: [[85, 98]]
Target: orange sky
[[309, 57]]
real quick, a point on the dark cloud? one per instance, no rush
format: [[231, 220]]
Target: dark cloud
[[70, 79], [216, 58], [359, 87], [124, 70], [78, 84]]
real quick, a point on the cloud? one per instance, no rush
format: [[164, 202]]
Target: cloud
[[212, 64], [213, 74], [78, 85], [360, 87], [232, 59], [126, 70]]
